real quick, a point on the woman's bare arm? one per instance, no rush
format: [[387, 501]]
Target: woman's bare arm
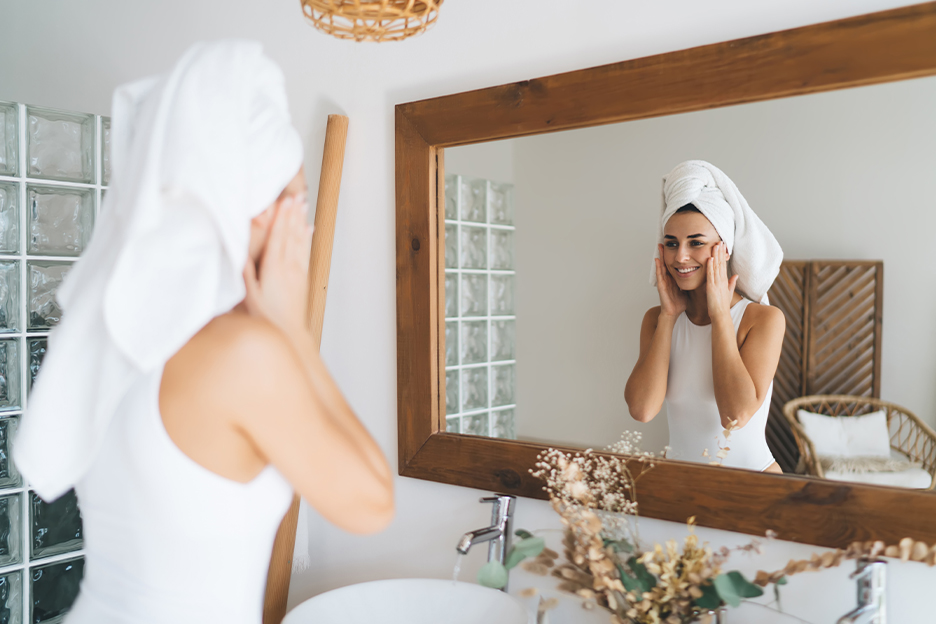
[[280, 396], [741, 372], [646, 386], [742, 375]]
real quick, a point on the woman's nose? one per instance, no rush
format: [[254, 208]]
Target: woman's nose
[[682, 253]]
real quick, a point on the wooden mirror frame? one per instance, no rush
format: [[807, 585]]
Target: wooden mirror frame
[[869, 49]]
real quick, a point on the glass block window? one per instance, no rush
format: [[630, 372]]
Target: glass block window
[[53, 173], [480, 319]]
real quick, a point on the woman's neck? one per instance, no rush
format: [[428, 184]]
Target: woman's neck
[[697, 305]]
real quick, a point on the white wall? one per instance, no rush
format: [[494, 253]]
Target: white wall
[[839, 175], [492, 161], [72, 55]]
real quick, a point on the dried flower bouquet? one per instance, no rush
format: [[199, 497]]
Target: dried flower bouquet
[[596, 499]]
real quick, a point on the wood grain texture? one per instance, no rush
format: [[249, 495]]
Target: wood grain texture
[[845, 307], [788, 293], [887, 46], [323, 239], [419, 262], [822, 57]]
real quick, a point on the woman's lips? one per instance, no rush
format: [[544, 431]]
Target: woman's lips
[[686, 272]]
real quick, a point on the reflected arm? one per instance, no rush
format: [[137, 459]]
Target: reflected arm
[[646, 386], [742, 373]]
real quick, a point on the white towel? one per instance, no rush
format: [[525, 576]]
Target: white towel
[[197, 153], [755, 253]]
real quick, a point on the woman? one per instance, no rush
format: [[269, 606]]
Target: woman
[[182, 394], [708, 351]]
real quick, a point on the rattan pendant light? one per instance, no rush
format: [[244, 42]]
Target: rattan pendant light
[[375, 20]]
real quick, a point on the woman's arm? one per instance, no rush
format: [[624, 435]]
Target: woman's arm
[[310, 432], [741, 374], [646, 386], [286, 403]]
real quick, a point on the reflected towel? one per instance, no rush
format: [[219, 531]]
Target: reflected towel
[[755, 253]]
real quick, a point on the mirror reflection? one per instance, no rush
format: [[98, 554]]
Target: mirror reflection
[[550, 244]]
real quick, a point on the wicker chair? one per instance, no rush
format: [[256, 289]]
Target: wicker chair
[[908, 434]]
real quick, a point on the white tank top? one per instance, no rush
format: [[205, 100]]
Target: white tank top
[[694, 422], [167, 540]]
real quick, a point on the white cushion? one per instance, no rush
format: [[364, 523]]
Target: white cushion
[[847, 436], [915, 478]]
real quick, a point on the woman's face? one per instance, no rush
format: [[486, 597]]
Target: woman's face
[[688, 240], [260, 225]]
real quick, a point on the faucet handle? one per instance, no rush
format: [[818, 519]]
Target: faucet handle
[[503, 508], [497, 498], [866, 567]]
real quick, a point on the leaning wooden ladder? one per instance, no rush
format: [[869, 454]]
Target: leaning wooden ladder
[[326, 209]]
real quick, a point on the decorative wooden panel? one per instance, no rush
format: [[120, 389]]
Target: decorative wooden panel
[[789, 294], [844, 344], [833, 338]]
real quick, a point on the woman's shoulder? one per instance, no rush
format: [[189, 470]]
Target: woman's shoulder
[[234, 352], [759, 315]]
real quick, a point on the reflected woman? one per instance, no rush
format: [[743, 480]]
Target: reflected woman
[[709, 351]]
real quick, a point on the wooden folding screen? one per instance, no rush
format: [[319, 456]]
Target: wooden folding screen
[[833, 338]]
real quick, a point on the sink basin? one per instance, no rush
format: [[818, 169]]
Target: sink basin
[[410, 601]]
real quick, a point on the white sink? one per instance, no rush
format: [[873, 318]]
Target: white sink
[[410, 601]]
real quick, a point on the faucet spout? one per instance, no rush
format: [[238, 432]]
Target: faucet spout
[[481, 535], [498, 534]]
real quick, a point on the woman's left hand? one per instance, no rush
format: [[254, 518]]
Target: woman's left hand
[[719, 288]]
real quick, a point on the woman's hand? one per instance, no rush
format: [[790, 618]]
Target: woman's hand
[[672, 299], [277, 289], [719, 288]]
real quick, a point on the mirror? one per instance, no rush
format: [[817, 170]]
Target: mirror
[[594, 223], [548, 247]]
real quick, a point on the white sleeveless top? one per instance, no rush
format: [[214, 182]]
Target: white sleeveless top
[[694, 422], [167, 540]]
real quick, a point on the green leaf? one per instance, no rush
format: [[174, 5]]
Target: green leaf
[[781, 581], [709, 599], [522, 534], [513, 558], [527, 547], [629, 582], [492, 574], [732, 587], [646, 580], [621, 545]]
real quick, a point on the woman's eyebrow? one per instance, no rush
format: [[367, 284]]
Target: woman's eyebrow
[[696, 236]]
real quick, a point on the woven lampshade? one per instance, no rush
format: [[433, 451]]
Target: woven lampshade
[[377, 20]]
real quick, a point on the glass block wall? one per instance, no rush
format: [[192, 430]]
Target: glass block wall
[[480, 320], [54, 169]]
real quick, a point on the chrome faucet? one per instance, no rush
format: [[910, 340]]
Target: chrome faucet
[[498, 534], [872, 603]]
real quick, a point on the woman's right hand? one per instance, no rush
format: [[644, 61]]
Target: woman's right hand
[[672, 299], [277, 289]]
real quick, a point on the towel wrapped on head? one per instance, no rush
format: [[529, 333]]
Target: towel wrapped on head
[[755, 253]]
